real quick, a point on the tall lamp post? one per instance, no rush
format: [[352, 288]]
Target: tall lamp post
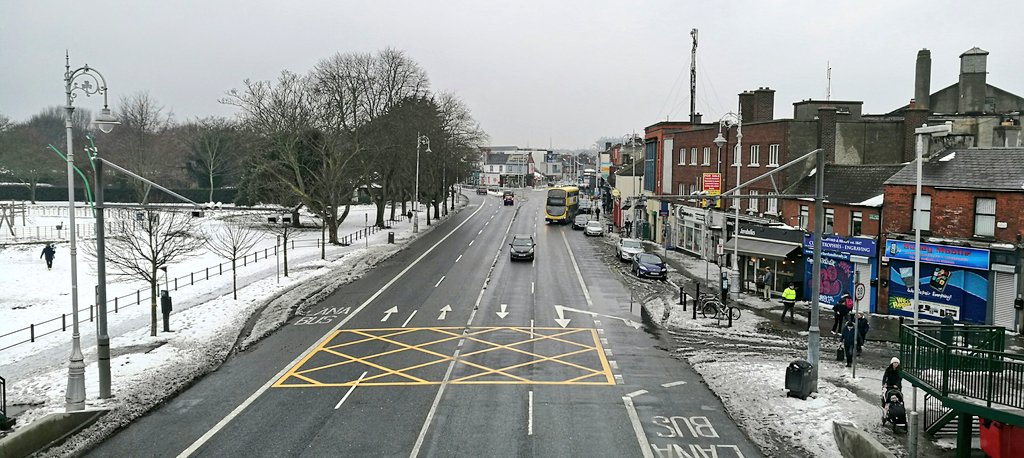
[[420, 140], [720, 142], [92, 82], [941, 130]]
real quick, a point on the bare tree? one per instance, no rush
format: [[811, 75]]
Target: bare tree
[[140, 142], [213, 151], [234, 240], [140, 248]]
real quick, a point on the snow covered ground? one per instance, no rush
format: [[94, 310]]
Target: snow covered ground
[[206, 320]]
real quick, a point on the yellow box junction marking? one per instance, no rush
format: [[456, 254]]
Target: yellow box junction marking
[[575, 357]]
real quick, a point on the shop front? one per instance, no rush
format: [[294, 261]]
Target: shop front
[[953, 281], [692, 234], [841, 257], [775, 248]]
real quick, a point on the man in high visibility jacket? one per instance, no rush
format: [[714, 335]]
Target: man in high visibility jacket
[[789, 303]]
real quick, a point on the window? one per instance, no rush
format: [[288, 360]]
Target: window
[[926, 213], [985, 216], [707, 156], [856, 219], [682, 156], [773, 155], [753, 205], [693, 189], [830, 220], [491, 168], [736, 155], [804, 214], [650, 154], [693, 156], [773, 204], [755, 153]]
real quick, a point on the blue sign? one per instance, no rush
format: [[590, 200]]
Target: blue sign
[[943, 290], [857, 246], [970, 258]]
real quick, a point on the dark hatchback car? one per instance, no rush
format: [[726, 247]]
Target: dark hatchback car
[[580, 222], [481, 191], [650, 266], [509, 198], [521, 247]]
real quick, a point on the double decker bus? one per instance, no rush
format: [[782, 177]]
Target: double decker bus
[[561, 204]]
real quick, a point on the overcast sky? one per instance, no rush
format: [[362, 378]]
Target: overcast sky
[[557, 72]]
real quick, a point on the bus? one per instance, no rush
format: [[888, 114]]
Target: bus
[[561, 204]]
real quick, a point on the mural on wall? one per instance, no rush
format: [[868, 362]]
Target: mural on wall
[[836, 279], [953, 281]]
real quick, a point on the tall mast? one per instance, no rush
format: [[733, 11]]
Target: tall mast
[[693, 78]]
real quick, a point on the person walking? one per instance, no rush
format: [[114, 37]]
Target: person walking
[[862, 332], [840, 311], [892, 377], [49, 251], [849, 341], [766, 281], [789, 303]]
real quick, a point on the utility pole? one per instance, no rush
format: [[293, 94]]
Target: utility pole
[[693, 78]]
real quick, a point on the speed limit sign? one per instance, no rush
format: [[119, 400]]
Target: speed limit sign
[[859, 291]]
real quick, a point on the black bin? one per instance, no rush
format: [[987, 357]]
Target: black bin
[[391, 237], [798, 379]]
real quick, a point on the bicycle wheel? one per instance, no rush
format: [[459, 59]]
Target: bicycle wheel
[[735, 312], [710, 309]]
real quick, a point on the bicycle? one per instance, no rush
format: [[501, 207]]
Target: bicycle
[[718, 310]]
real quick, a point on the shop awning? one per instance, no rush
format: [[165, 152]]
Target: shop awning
[[763, 248]]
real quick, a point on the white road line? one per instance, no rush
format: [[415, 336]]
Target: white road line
[[407, 320], [471, 242], [608, 352], [638, 429], [480, 232], [252, 398], [458, 258], [529, 423], [613, 364], [672, 384], [531, 329], [343, 398], [636, 393], [618, 379], [576, 267], [604, 341], [439, 281], [531, 287], [597, 322], [488, 222]]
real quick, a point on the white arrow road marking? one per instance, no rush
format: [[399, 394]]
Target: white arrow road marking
[[672, 384], [388, 313], [343, 398], [444, 311], [561, 316], [439, 282], [407, 320], [502, 314], [627, 321]]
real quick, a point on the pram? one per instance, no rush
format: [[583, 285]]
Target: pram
[[893, 409]]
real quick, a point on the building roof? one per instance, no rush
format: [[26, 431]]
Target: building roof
[[850, 184], [635, 170], [497, 158], [996, 169]]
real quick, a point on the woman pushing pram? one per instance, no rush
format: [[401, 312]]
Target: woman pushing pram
[[893, 409]]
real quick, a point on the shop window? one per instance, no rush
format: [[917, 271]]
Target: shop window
[[856, 220], [707, 156], [984, 217], [926, 213]]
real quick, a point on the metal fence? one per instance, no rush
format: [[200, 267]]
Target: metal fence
[[60, 323]]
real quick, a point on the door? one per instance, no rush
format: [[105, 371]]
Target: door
[[1004, 290]]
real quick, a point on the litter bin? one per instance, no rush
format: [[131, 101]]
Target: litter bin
[[391, 237], [798, 379]]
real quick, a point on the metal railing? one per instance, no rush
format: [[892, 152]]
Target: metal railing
[[60, 323], [966, 361]]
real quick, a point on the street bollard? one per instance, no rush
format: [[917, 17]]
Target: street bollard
[[685, 300], [31, 332], [681, 301], [64, 322], [729, 311], [695, 308]]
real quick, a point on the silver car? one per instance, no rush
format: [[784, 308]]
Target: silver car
[[627, 248], [593, 227]]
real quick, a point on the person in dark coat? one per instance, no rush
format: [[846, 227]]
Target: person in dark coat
[[840, 311], [862, 331], [49, 252], [892, 376], [849, 341]]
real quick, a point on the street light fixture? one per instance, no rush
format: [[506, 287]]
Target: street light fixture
[[420, 140], [92, 82], [720, 142], [941, 130]]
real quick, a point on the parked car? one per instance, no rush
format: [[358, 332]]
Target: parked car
[[584, 206], [508, 197], [482, 191], [522, 247], [593, 227], [580, 221], [649, 265], [627, 248]]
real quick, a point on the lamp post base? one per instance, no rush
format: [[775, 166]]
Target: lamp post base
[[75, 396]]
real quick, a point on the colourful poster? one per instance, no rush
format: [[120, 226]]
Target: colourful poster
[[942, 290], [836, 279]]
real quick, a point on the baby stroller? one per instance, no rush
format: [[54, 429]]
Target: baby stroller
[[893, 410]]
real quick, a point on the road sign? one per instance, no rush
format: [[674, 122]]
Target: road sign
[[859, 291]]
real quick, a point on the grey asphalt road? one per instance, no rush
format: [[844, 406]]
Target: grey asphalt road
[[436, 353]]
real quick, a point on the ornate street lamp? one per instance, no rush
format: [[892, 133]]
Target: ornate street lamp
[[420, 140], [719, 142]]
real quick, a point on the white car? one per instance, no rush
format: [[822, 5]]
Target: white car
[[627, 248], [593, 227]]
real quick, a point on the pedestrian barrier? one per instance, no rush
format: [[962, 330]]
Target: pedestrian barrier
[[33, 331]]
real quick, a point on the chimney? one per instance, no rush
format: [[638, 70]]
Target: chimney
[[764, 104], [827, 132], [747, 106], [923, 80], [695, 118], [912, 119], [973, 87]]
